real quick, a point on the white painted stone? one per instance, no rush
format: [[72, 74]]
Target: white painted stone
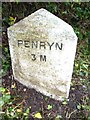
[[51, 75]]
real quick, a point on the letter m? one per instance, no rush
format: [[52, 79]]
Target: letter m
[[43, 58]]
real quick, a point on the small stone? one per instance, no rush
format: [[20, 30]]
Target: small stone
[[24, 89]]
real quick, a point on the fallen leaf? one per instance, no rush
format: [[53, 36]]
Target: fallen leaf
[[64, 102], [38, 115], [19, 110], [13, 86], [49, 107]]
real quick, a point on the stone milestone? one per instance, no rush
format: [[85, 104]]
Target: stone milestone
[[42, 48]]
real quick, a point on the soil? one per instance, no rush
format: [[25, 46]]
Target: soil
[[37, 102]]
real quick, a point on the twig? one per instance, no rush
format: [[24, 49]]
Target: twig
[[2, 112], [71, 114]]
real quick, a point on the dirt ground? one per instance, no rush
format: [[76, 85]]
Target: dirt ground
[[34, 100]]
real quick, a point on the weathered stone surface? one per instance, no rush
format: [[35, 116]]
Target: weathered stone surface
[[42, 48]]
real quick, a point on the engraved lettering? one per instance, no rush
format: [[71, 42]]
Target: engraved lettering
[[58, 46], [42, 44], [26, 43], [50, 45], [34, 44], [33, 57], [20, 42], [43, 58]]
